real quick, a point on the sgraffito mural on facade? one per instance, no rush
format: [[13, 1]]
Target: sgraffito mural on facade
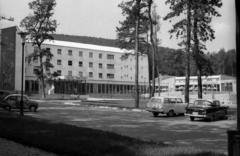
[[8, 39]]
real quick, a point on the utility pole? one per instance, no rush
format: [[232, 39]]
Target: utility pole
[[234, 135]]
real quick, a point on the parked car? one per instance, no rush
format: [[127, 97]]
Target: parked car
[[146, 95], [166, 105], [207, 109], [12, 101], [3, 94]]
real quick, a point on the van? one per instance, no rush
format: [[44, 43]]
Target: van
[[166, 105]]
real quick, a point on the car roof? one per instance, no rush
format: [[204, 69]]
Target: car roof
[[166, 97], [211, 100], [18, 94]]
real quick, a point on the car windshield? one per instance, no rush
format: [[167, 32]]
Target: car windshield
[[155, 100], [202, 103]]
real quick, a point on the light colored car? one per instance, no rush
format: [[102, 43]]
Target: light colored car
[[146, 95], [13, 101], [166, 105]]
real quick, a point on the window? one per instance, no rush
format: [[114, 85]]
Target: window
[[59, 51], [80, 74], [90, 64], [69, 73], [110, 76], [70, 52], [59, 62], [110, 66], [100, 55], [80, 64], [100, 65], [100, 75], [90, 74], [109, 56], [90, 54], [48, 57], [80, 53], [59, 72], [70, 63], [179, 100], [35, 71], [35, 60], [166, 100]]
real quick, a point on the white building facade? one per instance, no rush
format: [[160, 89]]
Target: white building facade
[[99, 69]]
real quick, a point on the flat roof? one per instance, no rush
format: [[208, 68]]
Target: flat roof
[[85, 46]]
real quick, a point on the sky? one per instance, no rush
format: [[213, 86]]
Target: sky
[[99, 18]]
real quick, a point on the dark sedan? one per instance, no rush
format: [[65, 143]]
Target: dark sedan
[[207, 109], [13, 101]]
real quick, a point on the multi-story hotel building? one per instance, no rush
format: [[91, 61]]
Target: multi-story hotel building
[[98, 69], [84, 68]]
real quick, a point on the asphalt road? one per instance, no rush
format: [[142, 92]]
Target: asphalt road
[[178, 130]]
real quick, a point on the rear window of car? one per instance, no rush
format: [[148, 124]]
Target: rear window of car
[[179, 100], [156, 100], [202, 103]]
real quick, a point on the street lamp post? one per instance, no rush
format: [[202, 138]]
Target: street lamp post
[[144, 89], [108, 87], [23, 37]]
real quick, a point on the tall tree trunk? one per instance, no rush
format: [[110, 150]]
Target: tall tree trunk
[[42, 78], [187, 66], [152, 46], [136, 54], [153, 70], [149, 60], [157, 55], [199, 72], [197, 55]]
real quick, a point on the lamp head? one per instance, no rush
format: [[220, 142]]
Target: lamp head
[[23, 35]]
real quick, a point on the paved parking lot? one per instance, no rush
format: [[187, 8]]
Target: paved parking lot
[[177, 130]]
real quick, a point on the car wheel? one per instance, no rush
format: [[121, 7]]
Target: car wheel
[[170, 113], [7, 108], [155, 114], [192, 118], [225, 115], [211, 118], [33, 109]]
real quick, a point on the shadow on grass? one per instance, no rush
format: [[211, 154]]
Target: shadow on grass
[[70, 140]]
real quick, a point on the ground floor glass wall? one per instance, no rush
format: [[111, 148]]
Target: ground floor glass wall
[[31, 86], [112, 88]]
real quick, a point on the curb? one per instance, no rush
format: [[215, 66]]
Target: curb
[[102, 106]]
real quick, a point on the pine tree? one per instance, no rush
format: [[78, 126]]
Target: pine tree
[[203, 10], [131, 34], [183, 29]]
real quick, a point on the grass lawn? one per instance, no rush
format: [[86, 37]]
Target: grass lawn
[[69, 140]]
